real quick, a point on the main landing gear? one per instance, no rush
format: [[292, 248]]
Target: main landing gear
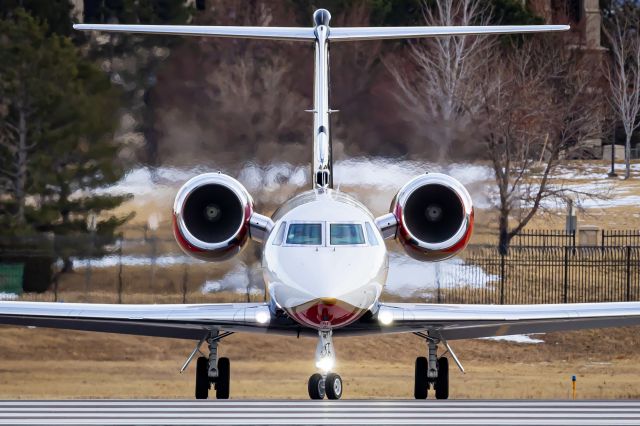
[[433, 372], [325, 383], [212, 370]]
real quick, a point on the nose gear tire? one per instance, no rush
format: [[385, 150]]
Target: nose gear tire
[[333, 386], [316, 386]]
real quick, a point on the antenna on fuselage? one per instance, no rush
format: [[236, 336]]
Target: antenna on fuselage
[[320, 34]]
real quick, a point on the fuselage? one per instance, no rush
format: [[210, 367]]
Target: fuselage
[[325, 262]]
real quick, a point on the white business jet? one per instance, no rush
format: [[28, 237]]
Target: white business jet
[[324, 257]]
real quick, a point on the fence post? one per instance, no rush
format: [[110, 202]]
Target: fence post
[[566, 274], [437, 267], [55, 288], [120, 272], [628, 273], [184, 284], [502, 277]]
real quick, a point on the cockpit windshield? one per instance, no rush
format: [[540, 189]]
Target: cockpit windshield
[[346, 234], [305, 234]]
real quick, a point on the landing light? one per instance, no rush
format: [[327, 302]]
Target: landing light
[[325, 364], [263, 316], [385, 317]]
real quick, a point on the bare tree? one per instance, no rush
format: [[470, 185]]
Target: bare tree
[[441, 93], [237, 100], [622, 30], [538, 105]]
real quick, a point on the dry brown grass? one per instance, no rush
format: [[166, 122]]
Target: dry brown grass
[[39, 363]]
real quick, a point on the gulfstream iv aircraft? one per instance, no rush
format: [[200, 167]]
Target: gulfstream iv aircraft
[[323, 253]]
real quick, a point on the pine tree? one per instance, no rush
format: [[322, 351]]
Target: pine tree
[[56, 14], [59, 113], [34, 75]]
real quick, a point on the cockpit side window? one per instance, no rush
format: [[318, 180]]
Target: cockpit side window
[[305, 234], [280, 235], [371, 235], [346, 234]]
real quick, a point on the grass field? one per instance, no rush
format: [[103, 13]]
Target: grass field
[[39, 363]]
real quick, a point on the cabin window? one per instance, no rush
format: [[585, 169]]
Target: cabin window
[[305, 234], [346, 234], [371, 235], [280, 235]]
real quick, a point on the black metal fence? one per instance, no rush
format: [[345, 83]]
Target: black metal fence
[[620, 237], [154, 270], [564, 274], [545, 238]]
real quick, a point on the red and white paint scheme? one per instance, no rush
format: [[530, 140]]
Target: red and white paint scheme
[[324, 257]]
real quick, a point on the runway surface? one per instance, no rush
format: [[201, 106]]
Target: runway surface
[[154, 412]]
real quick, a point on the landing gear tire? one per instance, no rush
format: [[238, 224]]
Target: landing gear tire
[[316, 386], [421, 383], [203, 383], [442, 382], [223, 379], [333, 386]]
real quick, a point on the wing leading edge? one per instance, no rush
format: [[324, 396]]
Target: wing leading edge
[[453, 322], [177, 321]]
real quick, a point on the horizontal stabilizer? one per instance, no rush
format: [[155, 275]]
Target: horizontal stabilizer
[[274, 33], [382, 33], [308, 33]]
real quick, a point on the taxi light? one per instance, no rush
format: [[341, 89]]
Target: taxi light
[[385, 317], [325, 364], [263, 316]]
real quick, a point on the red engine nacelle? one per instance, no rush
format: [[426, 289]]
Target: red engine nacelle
[[211, 216], [434, 216]]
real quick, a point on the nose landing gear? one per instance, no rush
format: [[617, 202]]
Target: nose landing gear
[[325, 383]]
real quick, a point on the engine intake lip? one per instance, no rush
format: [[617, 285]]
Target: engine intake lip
[[195, 192], [418, 188]]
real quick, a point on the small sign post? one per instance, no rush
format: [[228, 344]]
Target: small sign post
[[573, 386]]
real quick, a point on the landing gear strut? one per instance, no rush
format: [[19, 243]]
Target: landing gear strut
[[432, 372], [213, 370], [325, 382]]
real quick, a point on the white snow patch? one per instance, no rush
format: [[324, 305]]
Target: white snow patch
[[8, 296], [238, 279], [271, 177], [146, 181], [515, 338], [382, 173], [407, 275], [392, 174], [110, 261]]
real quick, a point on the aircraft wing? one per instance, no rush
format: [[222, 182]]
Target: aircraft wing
[[177, 321], [453, 322]]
